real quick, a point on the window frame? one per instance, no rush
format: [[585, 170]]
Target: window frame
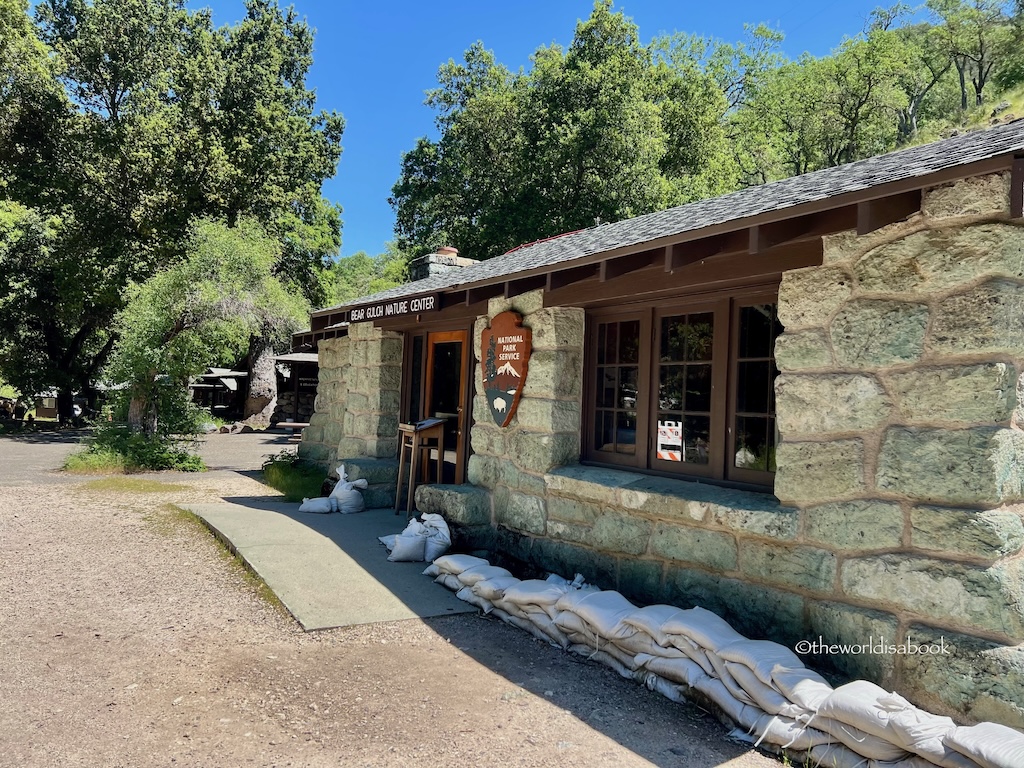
[[725, 306]]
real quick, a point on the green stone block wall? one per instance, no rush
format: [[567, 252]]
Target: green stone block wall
[[358, 397]]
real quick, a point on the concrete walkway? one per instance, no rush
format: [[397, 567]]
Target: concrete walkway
[[328, 570]]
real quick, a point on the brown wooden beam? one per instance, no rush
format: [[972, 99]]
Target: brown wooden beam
[[878, 213], [524, 285], [613, 268], [483, 293], [1017, 187], [566, 277], [701, 276], [766, 236]]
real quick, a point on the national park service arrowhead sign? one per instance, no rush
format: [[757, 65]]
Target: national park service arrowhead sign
[[506, 351]]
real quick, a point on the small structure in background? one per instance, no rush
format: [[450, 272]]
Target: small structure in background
[[222, 391]]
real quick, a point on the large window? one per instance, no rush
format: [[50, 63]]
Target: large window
[[685, 388]]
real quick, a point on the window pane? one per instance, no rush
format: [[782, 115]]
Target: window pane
[[698, 388], [629, 342], [602, 331], [757, 330], [673, 338], [625, 436], [753, 387], [670, 391], [755, 443], [696, 439], [611, 342], [699, 336], [627, 387], [606, 387], [604, 438]]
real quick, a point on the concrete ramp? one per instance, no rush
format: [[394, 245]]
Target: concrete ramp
[[328, 570]]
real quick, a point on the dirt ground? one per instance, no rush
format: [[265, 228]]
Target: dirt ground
[[128, 637]]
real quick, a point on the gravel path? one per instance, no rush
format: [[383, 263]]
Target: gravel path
[[129, 638]]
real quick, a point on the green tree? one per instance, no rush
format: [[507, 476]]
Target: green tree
[[204, 309], [361, 274], [602, 131], [976, 34], [129, 118]]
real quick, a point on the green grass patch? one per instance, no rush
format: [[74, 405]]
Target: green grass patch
[[116, 450], [132, 485], [295, 478]]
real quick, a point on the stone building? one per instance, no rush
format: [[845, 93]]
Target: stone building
[[797, 405]]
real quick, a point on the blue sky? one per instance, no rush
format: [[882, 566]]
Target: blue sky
[[374, 60]]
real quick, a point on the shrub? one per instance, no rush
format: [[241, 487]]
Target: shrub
[[295, 478], [116, 449]]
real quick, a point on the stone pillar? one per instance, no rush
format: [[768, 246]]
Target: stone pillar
[[358, 397], [545, 431], [900, 448]]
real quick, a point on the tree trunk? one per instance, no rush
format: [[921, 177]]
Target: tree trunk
[[65, 405], [262, 399]]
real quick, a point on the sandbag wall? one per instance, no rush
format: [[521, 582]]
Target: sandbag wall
[[759, 686]]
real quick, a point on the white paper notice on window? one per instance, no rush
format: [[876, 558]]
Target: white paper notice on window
[[670, 440]]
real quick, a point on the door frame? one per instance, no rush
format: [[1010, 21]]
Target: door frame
[[462, 427]]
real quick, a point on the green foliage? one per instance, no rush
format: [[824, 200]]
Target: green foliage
[[293, 477], [116, 449], [120, 123], [205, 308], [361, 274], [602, 131]]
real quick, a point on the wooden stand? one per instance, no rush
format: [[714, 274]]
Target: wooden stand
[[416, 438]]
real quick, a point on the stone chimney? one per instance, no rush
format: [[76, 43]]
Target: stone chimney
[[443, 260]]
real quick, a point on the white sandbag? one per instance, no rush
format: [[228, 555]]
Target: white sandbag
[[431, 571], [604, 611], [389, 544], [837, 756], [863, 743], [922, 733], [650, 620], [764, 696], [788, 733], [581, 633], [349, 502], [408, 548], [456, 564], [991, 745], [509, 607], [536, 592], [467, 595], [715, 690], [524, 624], [864, 705], [666, 688], [706, 629], [801, 686], [449, 580], [494, 589], [603, 658], [318, 506], [349, 499], [439, 537], [641, 642], [478, 573], [760, 656], [543, 622], [682, 671], [726, 677]]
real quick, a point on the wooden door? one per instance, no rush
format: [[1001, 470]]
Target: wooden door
[[447, 373]]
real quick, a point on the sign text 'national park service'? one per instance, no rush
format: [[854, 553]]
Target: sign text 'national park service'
[[506, 350]]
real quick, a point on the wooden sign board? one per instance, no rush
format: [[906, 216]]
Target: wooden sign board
[[506, 351]]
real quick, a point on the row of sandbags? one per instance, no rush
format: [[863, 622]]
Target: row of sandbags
[[761, 686]]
